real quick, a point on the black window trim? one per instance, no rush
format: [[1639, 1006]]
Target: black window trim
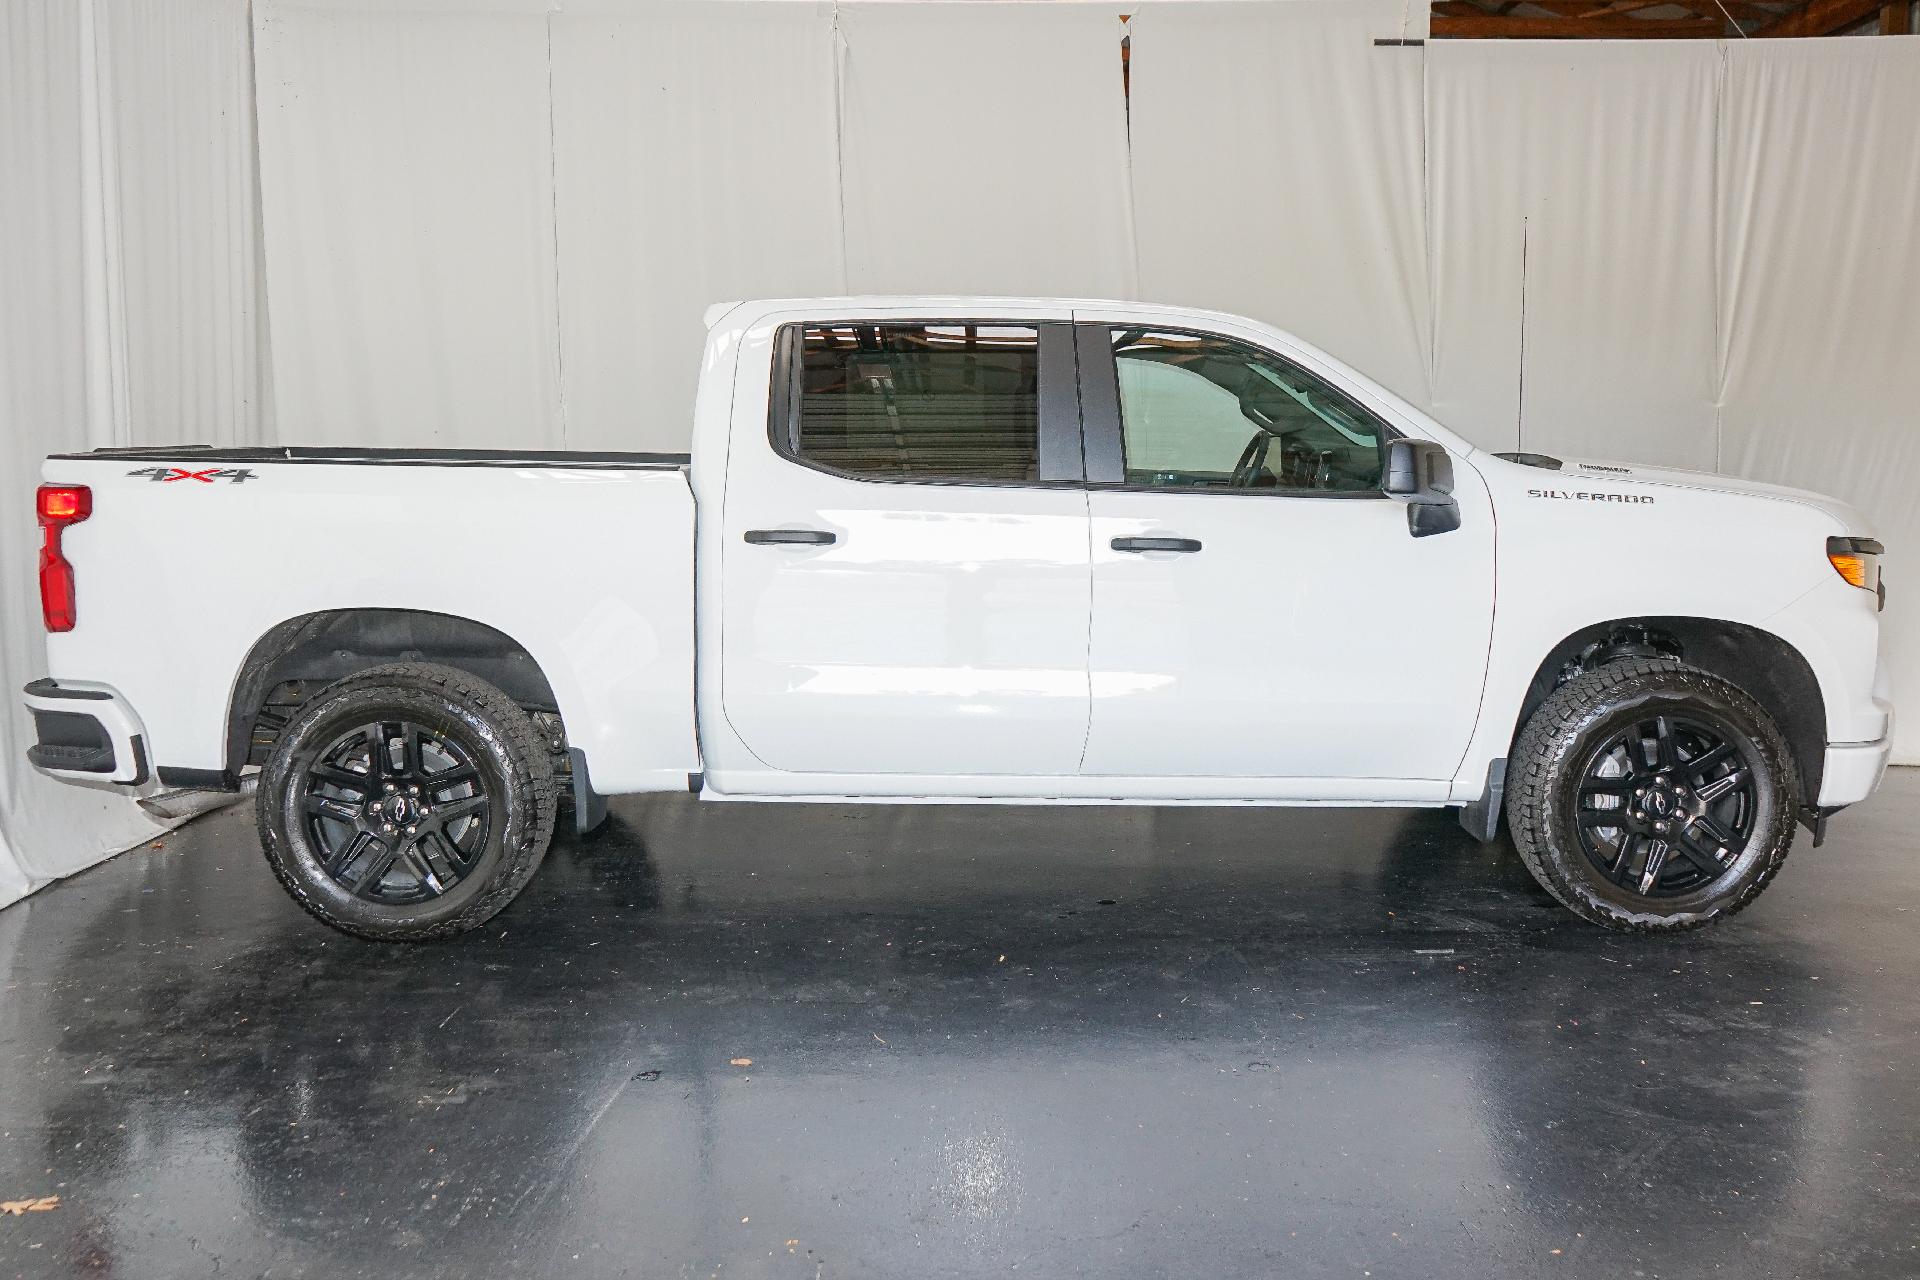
[[1104, 441], [1060, 446]]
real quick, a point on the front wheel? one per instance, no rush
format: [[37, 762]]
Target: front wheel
[[407, 802], [1653, 796]]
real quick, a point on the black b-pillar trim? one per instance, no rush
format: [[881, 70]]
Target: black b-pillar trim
[[1099, 405], [1059, 407]]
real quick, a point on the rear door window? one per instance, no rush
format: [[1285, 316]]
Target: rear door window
[[912, 401]]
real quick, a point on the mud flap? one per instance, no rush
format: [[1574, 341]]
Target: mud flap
[[589, 806], [1481, 818]]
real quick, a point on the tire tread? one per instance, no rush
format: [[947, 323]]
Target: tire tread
[[1554, 730], [533, 776]]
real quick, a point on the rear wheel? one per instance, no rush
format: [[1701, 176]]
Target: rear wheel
[[1649, 795], [407, 802]]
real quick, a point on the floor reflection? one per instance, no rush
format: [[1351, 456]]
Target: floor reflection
[[1102, 1042]]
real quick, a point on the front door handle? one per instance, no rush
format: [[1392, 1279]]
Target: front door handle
[[1156, 544], [798, 537]]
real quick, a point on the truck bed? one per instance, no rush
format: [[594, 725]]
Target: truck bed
[[192, 557]]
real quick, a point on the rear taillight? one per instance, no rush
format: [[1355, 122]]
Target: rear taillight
[[58, 506]]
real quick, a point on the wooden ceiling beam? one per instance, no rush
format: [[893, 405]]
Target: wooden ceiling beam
[[1710, 8], [1738, 8], [1820, 18], [1491, 27], [1628, 6]]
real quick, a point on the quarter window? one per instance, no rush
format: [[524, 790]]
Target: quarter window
[[917, 401], [1209, 413]]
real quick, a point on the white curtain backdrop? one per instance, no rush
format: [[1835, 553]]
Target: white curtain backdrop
[[499, 223], [129, 312], [706, 127], [1819, 323], [1590, 164], [406, 162], [496, 222], [984, 150], [1276, 160]]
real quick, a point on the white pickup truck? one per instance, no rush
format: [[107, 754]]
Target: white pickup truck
[[959, 549]]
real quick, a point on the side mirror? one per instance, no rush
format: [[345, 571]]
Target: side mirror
[[1420, 474]]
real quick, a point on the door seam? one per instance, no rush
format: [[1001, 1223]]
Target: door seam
[[1086, 738]]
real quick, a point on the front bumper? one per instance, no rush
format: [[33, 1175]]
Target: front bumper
[[1852, 771], [87, 733]]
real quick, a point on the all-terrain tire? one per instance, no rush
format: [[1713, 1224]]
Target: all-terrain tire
[[1546, 771], [513, 765]]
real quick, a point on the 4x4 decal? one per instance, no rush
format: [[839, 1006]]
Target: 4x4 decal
[[170, 475]]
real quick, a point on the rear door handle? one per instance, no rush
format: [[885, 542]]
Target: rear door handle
[[799, 537], [1156, 544]]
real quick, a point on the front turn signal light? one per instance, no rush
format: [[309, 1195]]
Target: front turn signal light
[[1857, 560]]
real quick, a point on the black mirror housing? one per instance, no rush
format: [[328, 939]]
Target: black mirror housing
[[1418, 471], [1420, 474]]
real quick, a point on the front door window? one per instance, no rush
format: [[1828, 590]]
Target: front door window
[[1199, 412]]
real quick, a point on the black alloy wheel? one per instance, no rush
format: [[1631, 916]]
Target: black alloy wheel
[[1666, 803], [399, 812], [407, 802], [1651, 796]]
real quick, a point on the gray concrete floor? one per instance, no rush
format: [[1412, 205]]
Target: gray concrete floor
[[983, 1042]]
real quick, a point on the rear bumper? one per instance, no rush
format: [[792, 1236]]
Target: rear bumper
[[87, 733]]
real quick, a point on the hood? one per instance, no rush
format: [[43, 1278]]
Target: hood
[[1581, 469]]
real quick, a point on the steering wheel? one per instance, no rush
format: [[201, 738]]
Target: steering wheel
[[1252, 459]]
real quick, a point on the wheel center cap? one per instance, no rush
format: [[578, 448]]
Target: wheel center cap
[[401, 810], [1659, 802]]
